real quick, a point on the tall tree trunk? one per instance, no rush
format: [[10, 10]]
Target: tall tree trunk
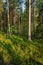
[[14, 18], [8, 16], [19, 24], [34, 23], [20, 13], [41, 21], [2, 25], [29, 21]]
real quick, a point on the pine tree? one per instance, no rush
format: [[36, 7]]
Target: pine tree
[[29, 21], [8, 17]]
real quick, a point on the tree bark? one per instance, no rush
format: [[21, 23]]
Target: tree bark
[[29, 21], [14, 18], [8, 16], [20, 14]]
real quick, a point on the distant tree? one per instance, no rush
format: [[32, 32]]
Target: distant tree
[[19, 15]]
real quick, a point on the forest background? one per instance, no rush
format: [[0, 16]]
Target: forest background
[[21, 32]]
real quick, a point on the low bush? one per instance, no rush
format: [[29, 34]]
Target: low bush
[[15, 51]]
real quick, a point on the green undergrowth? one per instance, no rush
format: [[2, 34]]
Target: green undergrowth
[[16, 51]]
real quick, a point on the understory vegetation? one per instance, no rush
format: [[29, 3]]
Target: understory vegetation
[[14, 50]]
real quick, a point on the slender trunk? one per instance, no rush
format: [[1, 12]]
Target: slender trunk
[[10, 13], [34, 23], [8, 17], [19, 24], [1, 24], [41, 22], [29, 21], [14, 18], [20, 14]]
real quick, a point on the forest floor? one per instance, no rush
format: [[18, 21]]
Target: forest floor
[[19, 51]]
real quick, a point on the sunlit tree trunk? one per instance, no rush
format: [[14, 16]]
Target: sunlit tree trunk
[[29, 21]]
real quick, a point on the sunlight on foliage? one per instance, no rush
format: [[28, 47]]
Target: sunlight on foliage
[[14, 50]]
